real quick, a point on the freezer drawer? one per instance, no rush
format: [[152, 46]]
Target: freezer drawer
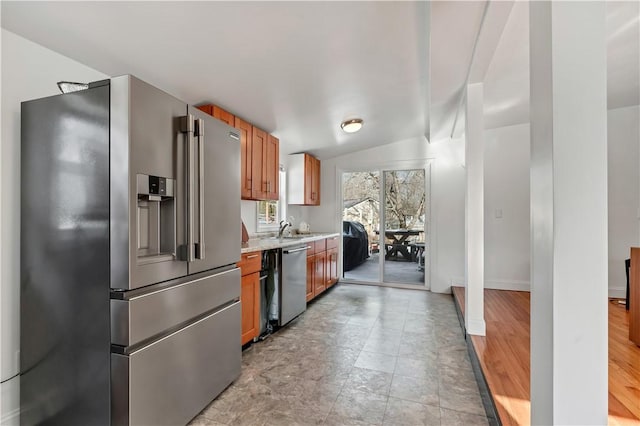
[[173, 379], [142, 317]]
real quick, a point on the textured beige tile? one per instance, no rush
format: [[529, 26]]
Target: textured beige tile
[[401, 412], [423, 390], [376, 361], [365, 380], [457, 418], [362, 406]]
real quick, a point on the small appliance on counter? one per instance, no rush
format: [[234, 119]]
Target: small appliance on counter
[[303, 228]]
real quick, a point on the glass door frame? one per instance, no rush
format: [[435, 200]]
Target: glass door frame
[[381, 169]]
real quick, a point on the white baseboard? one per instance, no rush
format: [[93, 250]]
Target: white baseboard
[[614, 292], [618, 292], [10, 402], [513, 285], [476, 327]]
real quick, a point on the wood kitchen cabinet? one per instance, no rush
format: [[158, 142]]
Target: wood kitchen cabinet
[[219, 113], [250, 295], [319, 268], [331, 265], [271, 167], [319, 280], [304, 180], [258, 182], [259, 157], [224, 116], [311, 266], [246, 157], [316, 258], [322, 265], [265, 166]]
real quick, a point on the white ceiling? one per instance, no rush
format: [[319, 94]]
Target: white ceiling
[[297, 69], [506, 91]]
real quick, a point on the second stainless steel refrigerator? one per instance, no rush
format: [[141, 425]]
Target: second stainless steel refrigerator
[[129, 238]]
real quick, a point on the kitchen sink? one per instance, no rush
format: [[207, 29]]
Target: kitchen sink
[[290, 237]]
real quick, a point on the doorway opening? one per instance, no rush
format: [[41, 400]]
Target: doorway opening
[[385, 216]]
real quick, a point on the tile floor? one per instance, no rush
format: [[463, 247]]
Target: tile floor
[[359, 355]]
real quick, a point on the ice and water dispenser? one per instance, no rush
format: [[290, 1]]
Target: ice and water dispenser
[[156, 216]]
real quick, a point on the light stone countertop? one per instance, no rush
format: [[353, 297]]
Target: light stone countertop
[[268, 243]]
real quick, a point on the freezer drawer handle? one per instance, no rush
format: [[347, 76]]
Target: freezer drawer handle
[[199, 131]]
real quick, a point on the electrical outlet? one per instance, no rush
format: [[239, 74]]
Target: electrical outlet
[[498, 213]]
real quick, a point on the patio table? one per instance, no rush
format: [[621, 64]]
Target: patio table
[[399, 243]]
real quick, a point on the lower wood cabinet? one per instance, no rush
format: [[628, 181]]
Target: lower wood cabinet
[[250, 295], [332, 266], [322, 266], [311, 266], [319, 280]]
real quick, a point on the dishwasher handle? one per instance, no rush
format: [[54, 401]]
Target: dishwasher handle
[[295, 250]]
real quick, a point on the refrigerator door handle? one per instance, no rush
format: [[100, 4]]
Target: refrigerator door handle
[[188, 128], [200, 247]]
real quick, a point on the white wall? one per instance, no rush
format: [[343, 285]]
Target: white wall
[[507, 250], [623, 138], [506, 193], [29, 71], [447, 198]]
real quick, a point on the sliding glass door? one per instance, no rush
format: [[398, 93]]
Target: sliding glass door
[[384, 216]]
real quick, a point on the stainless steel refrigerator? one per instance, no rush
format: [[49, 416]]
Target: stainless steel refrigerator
[[130, 231]]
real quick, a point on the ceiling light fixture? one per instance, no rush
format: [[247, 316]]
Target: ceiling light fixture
[[352, 126]]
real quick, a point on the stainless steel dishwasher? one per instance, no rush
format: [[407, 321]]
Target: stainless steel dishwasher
[[291, 292]]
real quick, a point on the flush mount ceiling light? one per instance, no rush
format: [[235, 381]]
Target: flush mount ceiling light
[[352, 126], [70, 86]]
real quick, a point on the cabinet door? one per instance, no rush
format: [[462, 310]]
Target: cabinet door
[[206, 108], [271, 166], [308, 179], [310, 272], [224, 116], [258, 185], [332, 266], [319, 282], [246, 156], [315, 182], [250, 300]]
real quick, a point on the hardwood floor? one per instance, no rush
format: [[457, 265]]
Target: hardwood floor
[[504, 358]]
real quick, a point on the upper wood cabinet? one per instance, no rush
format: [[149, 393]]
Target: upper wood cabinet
[[219, 113], [224, 116], [258, 180], [304, 180], [246, 156], [265, 166], [259, 157], [271, 167]]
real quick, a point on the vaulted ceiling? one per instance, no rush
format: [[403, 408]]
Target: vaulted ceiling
[[297, 69]]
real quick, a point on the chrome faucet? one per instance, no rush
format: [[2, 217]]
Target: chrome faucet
[[283, 226]]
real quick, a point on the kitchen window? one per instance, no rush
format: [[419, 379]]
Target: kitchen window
[[269, 213]]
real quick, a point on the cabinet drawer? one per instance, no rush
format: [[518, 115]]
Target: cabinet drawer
[[332, 242], [250, 262], [311, 248], [320, 245]]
